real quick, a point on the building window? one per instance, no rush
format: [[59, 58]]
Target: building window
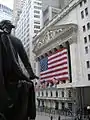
[[80, 4], [38, 93], [36, 22], [51, 93], [63, 105], [56, 93], [82, 14], [62, 93], [56, 105], [37, 16], [70, 106], [88, 76], [85, 39], [36, 7], [89, 37], [88, 26], [86, 11], [69, 93], [42, 103], [46, 94], [86, 50], [84, 28], [42, 93], [88, 64], [35, 31], [85, 1], [36, 26], [35, 11]]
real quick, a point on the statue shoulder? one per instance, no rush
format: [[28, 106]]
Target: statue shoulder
[[15, 40]]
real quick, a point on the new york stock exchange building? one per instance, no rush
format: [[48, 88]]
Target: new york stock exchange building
[[60, 56]]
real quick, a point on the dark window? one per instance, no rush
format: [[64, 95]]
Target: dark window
[[56, 93], [86, 50], [70, 106], [89, 37], [80, 4], [85, 1], [36, 7], [88, 64], [35, 31], [88, 76], [35, 11], [84, 28], [51, 94], [82, 14], [63, 105], [88, 26], [46, 93], [36, 26], [86, 11], [69, 93], [42, 93], [38, 103], [85, 39], [42, 103], [38, 93], [37, 16], [56, 105], [36, 22], [62, 93]]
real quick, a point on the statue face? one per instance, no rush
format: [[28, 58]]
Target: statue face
[[8, 29]]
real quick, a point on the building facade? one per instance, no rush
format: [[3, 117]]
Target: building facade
[[17, 9], [70, 29], [51, 8], [5, 13], [29, 23]]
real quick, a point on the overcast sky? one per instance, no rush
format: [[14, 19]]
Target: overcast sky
[[8, 3]]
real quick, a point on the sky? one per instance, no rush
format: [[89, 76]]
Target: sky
[[8, 3]]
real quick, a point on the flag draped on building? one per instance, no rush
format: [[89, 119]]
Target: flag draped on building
[[54, 67]]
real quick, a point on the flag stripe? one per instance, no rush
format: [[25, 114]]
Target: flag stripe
[[58, 74], [55, 66], [57, 61], [57, 58], [55, 70], [54, 73], [59, 55], [59, 64]]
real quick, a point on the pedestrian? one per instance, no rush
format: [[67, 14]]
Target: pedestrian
[[51, 117], [59, 118]]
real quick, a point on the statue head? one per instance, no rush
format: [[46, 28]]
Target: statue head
[[6, 26]]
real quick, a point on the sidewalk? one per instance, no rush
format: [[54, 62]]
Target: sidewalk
[[46, 116]]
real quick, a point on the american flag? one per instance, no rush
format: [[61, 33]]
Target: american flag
[[54, 66]]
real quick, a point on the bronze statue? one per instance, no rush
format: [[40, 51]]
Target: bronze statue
[[17, 96]]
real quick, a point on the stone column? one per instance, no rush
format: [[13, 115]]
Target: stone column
[[60, 105]]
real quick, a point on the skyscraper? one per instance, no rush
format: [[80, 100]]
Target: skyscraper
[[5, 13], [29, 23], [17, 8]]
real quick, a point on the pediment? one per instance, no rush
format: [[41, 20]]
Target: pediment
[[49, 34]]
